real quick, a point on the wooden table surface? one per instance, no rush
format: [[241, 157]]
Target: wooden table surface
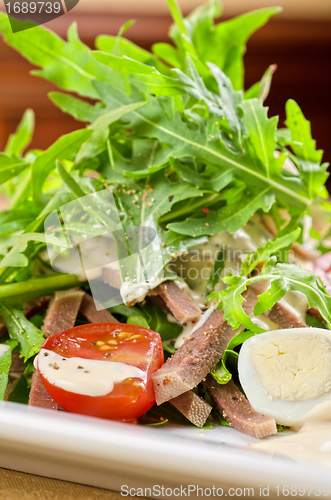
[[19, 486]]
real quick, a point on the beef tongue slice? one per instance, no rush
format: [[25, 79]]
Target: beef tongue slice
[[283, 318], [61, 315], [236, 409], [194, 408], [89, 311], [180, 304], [200, 352], [62, 311]]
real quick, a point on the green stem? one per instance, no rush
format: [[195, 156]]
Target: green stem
[[36, 287], [189, 208]]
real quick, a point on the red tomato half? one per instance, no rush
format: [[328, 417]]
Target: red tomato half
[[110, 342]]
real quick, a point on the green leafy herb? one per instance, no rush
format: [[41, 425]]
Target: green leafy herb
[[20, 140], [138, 321], [5, 362], [21, 330], [221, 373], [282, 277], [20, 393]]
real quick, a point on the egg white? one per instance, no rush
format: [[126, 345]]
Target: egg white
[[285, 412]]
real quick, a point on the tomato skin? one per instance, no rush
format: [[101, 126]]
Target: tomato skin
[[129, 344]]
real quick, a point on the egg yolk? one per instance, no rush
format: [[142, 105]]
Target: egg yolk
[[293, 368]]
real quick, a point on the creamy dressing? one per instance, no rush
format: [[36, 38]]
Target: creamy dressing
[[312, 443], [134, 292], [172, 319], [3, 349], [296, 303], [264, 322], [190, 327], [196, 266], [84, 376]]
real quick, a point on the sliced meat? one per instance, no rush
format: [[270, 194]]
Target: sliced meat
[[313, 311], [112, 277], [61, 315], [62, 311], [301, 251], [236, 409], [200, 352], [194, 408], [38, 394], [17, 366], [90, 312], [36, 306], [179, 303], [3, 328], [284, 318], [159, 302]]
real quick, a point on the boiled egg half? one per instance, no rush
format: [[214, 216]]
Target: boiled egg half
[[287, 373]]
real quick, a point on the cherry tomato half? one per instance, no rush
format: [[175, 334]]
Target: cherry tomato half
[[110, 343]]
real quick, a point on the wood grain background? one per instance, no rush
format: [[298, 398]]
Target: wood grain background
[[300, 48]]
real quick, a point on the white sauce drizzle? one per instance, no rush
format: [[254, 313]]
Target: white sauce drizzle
[[134, 291], [3, 349], [296, 303], [264, 322], [190, 327], [84, 376]]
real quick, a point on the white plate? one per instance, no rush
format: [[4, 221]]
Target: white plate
[[115, 455]]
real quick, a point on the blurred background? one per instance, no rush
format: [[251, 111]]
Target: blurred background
[[298, 41]]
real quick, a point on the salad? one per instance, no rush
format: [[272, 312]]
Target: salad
[[180, 221]]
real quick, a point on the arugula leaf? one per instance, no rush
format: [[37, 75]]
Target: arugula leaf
[[100, 131], [228, 218], [62, 149], [5, 362], [221, 373], [271, 247], [217, 268], [306, 158], [70, 65], [20, 393], [16, 257], [261, 89], [22, 330], [20, 140], [283, 277], [261, 141], [77, 108], [138, 321], [232, 36], [159, 322], [124, 47], [185, 142], [10, 166], [211, 179]]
